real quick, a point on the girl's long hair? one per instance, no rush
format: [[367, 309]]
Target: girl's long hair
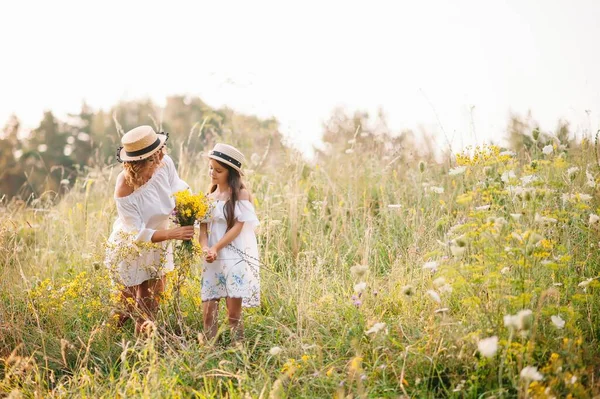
[[235, 183]]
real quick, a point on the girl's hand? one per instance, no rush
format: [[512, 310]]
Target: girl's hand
[[211, 255], [181, 233]]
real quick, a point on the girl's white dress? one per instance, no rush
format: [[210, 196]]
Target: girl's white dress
[[235, 272], [141, 213]]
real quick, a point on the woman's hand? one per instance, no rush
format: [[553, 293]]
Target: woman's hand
[[181, 233]]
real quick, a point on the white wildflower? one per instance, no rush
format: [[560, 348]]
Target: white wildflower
[[558, 321], [483, 207], [590, 181], [360, 287], [534, 238], [408, 290], [505, 270], [349, 151], [377, 327], [516, 216], [359, 270], [573, 380], [515, 190], [528, 179], [274, 351], [460, 386], [434, 296], [547, 150], [64, 182], [446, 288], [585, 283], [594, 218], [431, 265], [437, 190], [572, 170], [488, 346], [544, 219], [499, 222], [584, 197], [520, 321], [507, 176], [531, 373], [458, 251], [438, 282], [459, 170]]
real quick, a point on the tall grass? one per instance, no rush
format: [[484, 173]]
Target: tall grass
[[449, 253]]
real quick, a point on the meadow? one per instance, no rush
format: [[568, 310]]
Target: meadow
[[474, 277]]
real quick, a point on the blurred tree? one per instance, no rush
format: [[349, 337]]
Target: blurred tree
[[45, 163], [344, 133], [79, 140], [11, 172]]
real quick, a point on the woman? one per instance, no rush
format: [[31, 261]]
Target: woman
[[143, 194]]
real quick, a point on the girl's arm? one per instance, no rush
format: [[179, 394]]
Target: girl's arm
[[203, 237], [229, 236]]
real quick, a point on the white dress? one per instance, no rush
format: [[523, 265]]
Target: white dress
[[141, 213], [235, 272]]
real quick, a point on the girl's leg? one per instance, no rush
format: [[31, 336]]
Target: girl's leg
[[234, 313], [148, 295], [210, 311]]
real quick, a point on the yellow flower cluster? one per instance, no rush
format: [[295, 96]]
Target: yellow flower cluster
[[79, 294], [190, 207], [481, 155]]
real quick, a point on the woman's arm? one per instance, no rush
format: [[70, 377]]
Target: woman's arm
[[176, 233], [132, 219]]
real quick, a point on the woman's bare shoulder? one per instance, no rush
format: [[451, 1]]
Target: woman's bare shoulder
[[122, 189]]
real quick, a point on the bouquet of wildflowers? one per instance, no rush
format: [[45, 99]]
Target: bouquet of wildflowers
[[188, 209]]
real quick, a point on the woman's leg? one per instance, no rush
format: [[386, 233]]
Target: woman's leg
[[147, 299], [234, 313], [210, 310], [127, 300]]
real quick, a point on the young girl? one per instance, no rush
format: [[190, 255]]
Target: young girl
[[231, 269]]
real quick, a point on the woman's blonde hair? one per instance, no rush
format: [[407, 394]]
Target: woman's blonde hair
[[134, 170]]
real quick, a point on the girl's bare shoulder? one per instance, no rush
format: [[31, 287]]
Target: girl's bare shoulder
[[244, 195]]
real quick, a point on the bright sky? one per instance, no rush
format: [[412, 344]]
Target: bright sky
[[298, 60]]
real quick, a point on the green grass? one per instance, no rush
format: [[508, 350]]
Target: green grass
[[317, 221]]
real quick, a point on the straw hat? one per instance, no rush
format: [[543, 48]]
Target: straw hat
[[229, 155], [140, 143]]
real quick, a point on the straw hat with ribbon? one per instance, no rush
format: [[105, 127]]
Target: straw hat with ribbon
[[228, 155], [140, 143]]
